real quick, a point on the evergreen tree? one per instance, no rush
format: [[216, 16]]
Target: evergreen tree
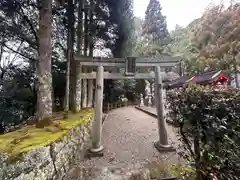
[[44, 64], [155, 26], [31, 29]]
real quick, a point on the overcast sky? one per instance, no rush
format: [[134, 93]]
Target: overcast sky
[[180, 12]]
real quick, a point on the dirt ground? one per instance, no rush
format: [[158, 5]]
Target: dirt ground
[[128, 138]]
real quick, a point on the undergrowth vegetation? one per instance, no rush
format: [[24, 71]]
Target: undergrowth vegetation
[[209, 128]]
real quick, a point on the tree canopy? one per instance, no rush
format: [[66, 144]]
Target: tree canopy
[[210, 42], [29, 29]]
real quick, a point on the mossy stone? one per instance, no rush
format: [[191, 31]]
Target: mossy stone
[[42, 134]]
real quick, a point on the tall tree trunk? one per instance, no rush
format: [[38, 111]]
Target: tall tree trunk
[[1, 55], [85, 53], [70, 51], [236, 70], [80, 27], [70, 41], [86, 29], [91, 46], [91, 29], [79, 52], [44, 75]]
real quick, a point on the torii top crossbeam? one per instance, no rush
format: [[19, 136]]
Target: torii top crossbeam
[[162, 61]]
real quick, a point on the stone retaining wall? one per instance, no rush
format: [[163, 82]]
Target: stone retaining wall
[[51, 162]]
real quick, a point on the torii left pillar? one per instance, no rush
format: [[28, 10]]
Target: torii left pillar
[[97, 147]]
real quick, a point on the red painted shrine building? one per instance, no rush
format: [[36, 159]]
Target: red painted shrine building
[[217, 79]]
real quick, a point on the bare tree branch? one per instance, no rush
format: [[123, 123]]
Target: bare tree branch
[[30, 25], [17, 52], [1, 48], [64, 49]]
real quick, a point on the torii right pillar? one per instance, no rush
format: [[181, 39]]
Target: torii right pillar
[[162, 145]]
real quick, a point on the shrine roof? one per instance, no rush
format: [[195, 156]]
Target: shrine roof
[[211, 76]]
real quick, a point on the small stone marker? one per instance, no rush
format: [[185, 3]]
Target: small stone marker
[[149, 100], [141, 100]]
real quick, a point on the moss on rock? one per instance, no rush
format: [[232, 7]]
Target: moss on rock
[[30, 137]]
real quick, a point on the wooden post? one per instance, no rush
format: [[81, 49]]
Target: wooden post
[[162, 144], [90, 91], [78, 87], [108, 107], [84, 90], [103, 109]]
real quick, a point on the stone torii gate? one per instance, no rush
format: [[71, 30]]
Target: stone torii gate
[[130, 65]]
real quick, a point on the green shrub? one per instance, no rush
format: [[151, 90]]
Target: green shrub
[[209, 128], [183, 172]]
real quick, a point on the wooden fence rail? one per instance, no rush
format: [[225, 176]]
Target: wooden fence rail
[[111, 106]]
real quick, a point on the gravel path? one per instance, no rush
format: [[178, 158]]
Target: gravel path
[[128, 137]]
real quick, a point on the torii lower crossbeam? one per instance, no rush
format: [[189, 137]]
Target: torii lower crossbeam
[[107, 75]]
